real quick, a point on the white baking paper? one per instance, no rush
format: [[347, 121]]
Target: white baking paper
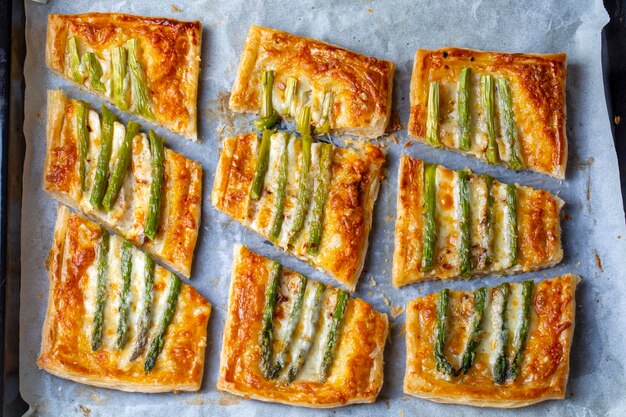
[[593, 229]]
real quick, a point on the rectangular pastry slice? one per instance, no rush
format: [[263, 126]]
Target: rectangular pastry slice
[[348, 93], [295, 341], [147, 66], [503, 108], [459, 224], [129, 182], [117, 320], [316, 204], [506, 346]]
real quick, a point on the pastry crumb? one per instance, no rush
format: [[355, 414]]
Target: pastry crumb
[[396, 310], [175, 9], [373, 282]]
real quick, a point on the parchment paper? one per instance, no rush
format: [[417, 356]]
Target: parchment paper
[[593, 228]]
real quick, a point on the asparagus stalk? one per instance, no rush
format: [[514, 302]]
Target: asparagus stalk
[[323, 126], [432, 119], [488, 96], [290, 92], [145, 319], [475, 335], [303, 199], [82, 132], [262, 162], [464, 224], [519, 342], [158, 169], [159, 338], [309, 327], [510, 129], [74, 60], [430, 221], [511, 222], [127, 267], [294, 317], [319, 199], [271, 294], [139, 85], [281, 191], [442, 363], [94, 72], [119, 59], [463, 108], [489, 220], [102, 168], [500, 366], [268, 116], [101, 289], [333, 334], [121, 166]]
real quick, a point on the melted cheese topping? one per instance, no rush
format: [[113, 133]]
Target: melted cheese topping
[[537, 86], [356, 375], [537, 216], [545, 364], [66, 344], [169, 53], [361, 85], [181, 194]]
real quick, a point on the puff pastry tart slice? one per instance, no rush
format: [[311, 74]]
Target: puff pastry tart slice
[[124, 179], [348, 93], [506, 346], [503, 108], [311, 199], [117, 320], [295, 341], [146, 66], [458, 224]]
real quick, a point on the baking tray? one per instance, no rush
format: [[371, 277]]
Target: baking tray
[[12, 53]]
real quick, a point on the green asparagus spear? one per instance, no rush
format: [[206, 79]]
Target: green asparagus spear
[[262, 161], [281, 193], [271, 294], [463, 103], [127, 267], [74, 60], [432, 120], [500, 366], [145, 319], [319, 199], [510, 129], [102, 168], [268, 116], [323, 126], [333, 334], [464, 224], [101, 289], [511, 224], [94, 71], [290, 92], [519, 342], [430, 220], [121, 166], [119, 62], [489, 107], [158, 169], [310, 320], [489, 220], [82, 132], [303, 200], [475, 335], [139, 85], [442, 363], [294, 318], [159, 338]]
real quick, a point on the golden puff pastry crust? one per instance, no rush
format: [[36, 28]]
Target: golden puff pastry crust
[[356, 375], [66, 347], [543, 371], [354, 182], [180, 209], [361, 86], [536, 85], [504, 236], [168, 52]]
